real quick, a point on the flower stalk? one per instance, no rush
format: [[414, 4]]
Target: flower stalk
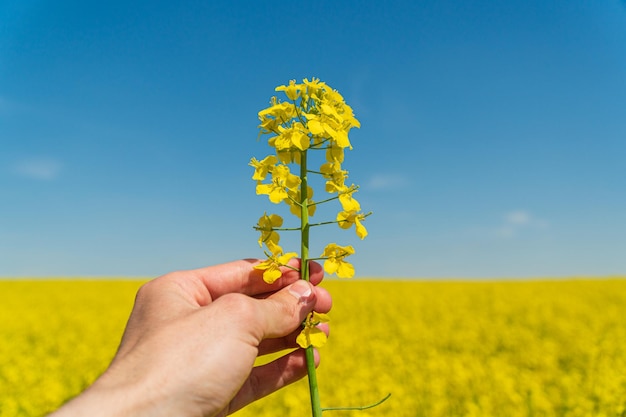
[[315, 117], [314, 393]]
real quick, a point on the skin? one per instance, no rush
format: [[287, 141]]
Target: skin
[[192, 339]]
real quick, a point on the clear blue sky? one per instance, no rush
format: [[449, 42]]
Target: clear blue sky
[[493, 139]]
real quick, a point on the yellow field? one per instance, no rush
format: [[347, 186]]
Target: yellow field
[[535, 348]]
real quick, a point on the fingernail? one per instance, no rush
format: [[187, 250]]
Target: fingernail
[[301, 290]]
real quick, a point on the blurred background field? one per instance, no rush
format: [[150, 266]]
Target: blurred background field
[[490, 348]]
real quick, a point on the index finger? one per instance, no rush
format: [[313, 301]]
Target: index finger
[[241, 277]]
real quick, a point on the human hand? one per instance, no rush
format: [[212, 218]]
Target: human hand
[[193, 336]]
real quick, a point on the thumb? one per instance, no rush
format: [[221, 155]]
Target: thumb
[[285, 310]]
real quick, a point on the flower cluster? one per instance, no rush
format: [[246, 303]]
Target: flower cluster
[[313, 118]]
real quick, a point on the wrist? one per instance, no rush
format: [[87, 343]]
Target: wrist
[[105, 400], [115, 396]]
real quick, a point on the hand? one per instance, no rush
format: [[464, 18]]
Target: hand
[[192, 339]]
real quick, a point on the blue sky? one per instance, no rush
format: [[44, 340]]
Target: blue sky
[[493, 138]]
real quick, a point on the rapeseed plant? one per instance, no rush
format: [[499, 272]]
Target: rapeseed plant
[[314, 118]]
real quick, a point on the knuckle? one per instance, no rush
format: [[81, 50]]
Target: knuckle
[[238, 306]]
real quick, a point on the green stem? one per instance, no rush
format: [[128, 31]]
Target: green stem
[[304, 218], [350, 189], [280, 229], [314, 393], [360, 407], [316, 407]]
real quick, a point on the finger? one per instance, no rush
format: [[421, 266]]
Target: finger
[[324, 300], [284, 311], [316, 275], [323, 304], [240, 276], [278, 333], [268, 378]]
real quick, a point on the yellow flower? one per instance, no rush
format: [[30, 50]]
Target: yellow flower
[[284, 150], [341, 138], [347, 201], [322, 125], [294, 136], [292, 90], [343, 111], [268, 124], [282, 180], [330, 117], [274, 247], [348, 116], [345, 219], [271, 266], [330, 112], [311, 335], [334, 153], [335, 262], [314, 88], [336, 177], [314, 124], [262, 167], [295, 196], [281, 111], [289, 156], [330, 169], [266, 226]]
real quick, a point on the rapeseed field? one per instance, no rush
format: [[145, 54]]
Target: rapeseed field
[[493, 348]]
